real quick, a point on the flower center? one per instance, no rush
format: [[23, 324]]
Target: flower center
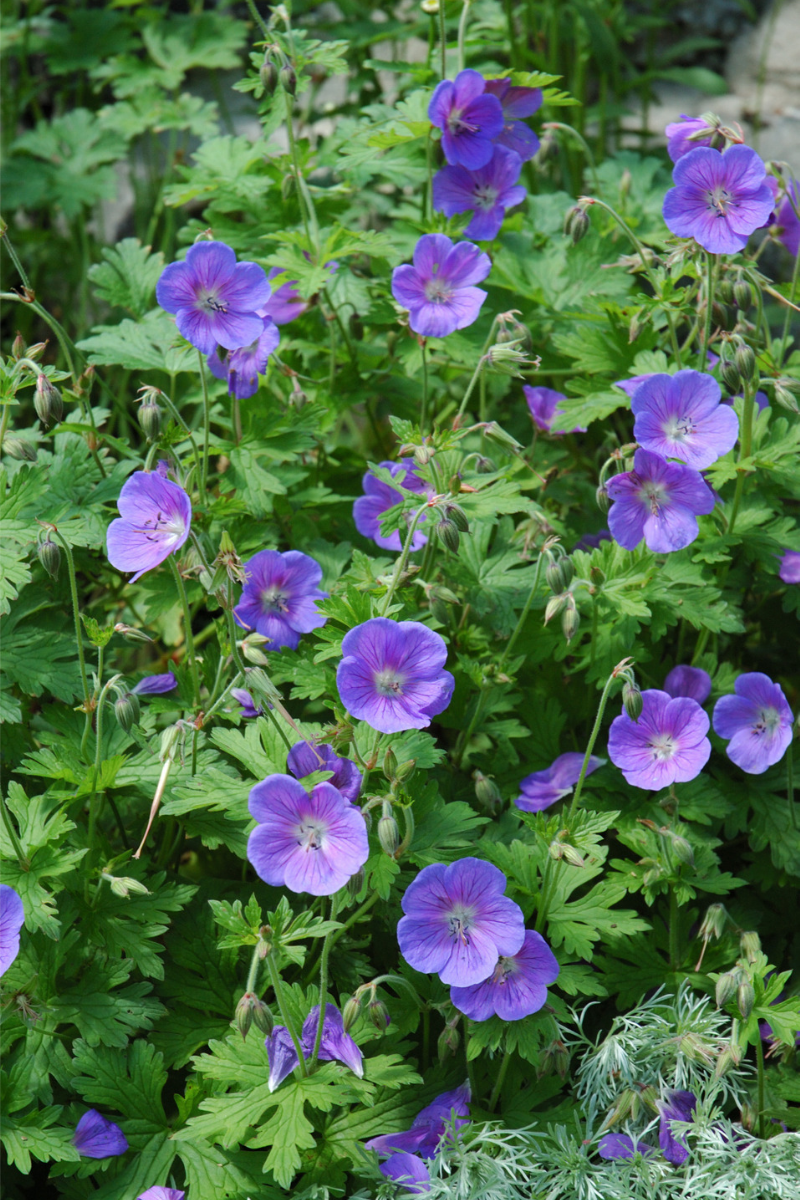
[[485, 197], [459, 923], [310, 834], [456, 123], [504, 968], [209, 302], [654, 495], [663, 747], [767, 722], [438, 291], [159, 527], [678, 429], [389, 683], [274, 600], [720, 200]]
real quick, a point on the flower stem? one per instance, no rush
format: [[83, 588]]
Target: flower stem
[[400, 565], [788, 317], [4, 421], [237, 658], [296, 166], [206, 427], [675, 956], [277, 988], [187, 623], [73, 587], [586, 149], [255, 962], [501, 1078], [601, 708], [701, 366], [745, 446], [762, 1121], [790, 781], [98, 758], [471, 386], [423, 420], [462, 32], [523, 616], [443, 37], [176, 416], [257, 18], [357, 915]]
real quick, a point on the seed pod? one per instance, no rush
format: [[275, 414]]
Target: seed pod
[[725, 988], [570, 621], [127, 711], [632, 700], [243, 1015], [448, 534], [750, 946], [351, 1012], [355, 883], [21, 449], [682, 850], [745, 360], [150, 419], [268, 74], [745, 998], [743, 294], [47, 402], [287, 78], [602, 498], [388, 833], [378, 1013], [262, 1017], [456, 514], [487, 793], [50, 557]]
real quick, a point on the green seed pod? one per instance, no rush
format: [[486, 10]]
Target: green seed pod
[[50, 557], [745, 998], [750, 946], [632, 701], [262, 1017], [20, 448], [484, 466], [47, 402], [745, 361], [456, 514], [378, 1013], [127, 711], [351, 1012], [448, 534], [287, 77], [743, 294], [150, 419], [570, 621]]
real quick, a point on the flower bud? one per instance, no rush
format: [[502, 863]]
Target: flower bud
[[725, 988], [745, 360], [682, 850], [576, 224], [784, 397], [18, 347], [378, 1013], [50, 557], [405, 769], [150, 419], [351, 1012], [721, 315], [454, 486], [21, 449], [388, 833], [423, 455], [355, 883], [251, 649], [750, 946], [743, 294], [47, 401], [597, 576], [36, 351], [555, 577], [496, 434], [625, 183], [484, 466], [448, 1043], [556, 850], [745, 997], [729, 1057], [487, 793], [572, 856], [125, 886], [127, 711], [268, 74], [390, 764], [602, 498], [288, 186], [725, 289], [555, 605], [448, 534], [632, 700], [456, 514], [570, 621], [554, 1057], [730, 375], [243, 1015], [287, 77]]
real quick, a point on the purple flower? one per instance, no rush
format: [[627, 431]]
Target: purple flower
[[12, 918], [155, 685], [543, 403], [667, 745], [305, 842], [280, 597], [516, 988], [335, 1044], [379, 497], [629, 386], [619, 1145], [678, 134], [517, 102], [409, 1171], [306, 757], [657, 501], [543, 788], [758, 722], [97, 1137], [429, 1126], [162, 1193], [155, 516], [680, 416], [678, 1106], [486, 191], [718, 199], [250, 710], [285, 303], [214, 298], [392, 674], [242, 367], [591, 541], [438, 290], [693, 682], [458, 922], [789, 570], [468, 117], [787, 221]]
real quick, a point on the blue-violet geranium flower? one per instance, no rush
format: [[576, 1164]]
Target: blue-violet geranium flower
[[468, 117], [280, 597], [680, 416], [438, 289], [718, 199], [756, 721], [516, 988], [486, 191], [659, 502], [668, 743], [214, 298], [155, 516]]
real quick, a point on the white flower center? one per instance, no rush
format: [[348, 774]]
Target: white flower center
[[768, 721], [505, 967], [459, 923], [486, 197], [720, 200], [161, 527], [389, 683], [437, 291], [456, 123], [209, 302], [274, 600], [310, 834], [678, 429], [653, 495], [663, 747]]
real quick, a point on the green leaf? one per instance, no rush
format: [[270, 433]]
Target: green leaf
[[128, 277], [151, 344], [34, 1135], [127, 1081], [104, 1011]]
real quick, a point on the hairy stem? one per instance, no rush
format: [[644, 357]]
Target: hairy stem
[[203, 483], [703, 361], [187, 622], [601, 708], [400, 565], [76, 614]]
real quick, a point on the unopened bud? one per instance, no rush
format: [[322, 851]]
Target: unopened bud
[[556, 850], [456, 514], [244, 1015], [378, 1013], [405, 769], [18, 347], [127, 711], [355, 883], [576, 224], [487, 793], [448, 534], [570, 621], [251, 649], [743, 294], [572, 856], [725, 988], [47, 401], [388, 833], [50, 557], [125, 886], [745, 360], [351, 1012], [721, 315], [730, 375], [262, 1017], [390, 764], [602, 498], [150, 419], [423, 455], [729, 1057], [484, 466], [555, 577], [36, 351], [745, 998], [448, 1043], [750, 946], [632, 700], [555, 605], [288, 186], [21, 449], [784, 397], [495, 433], [682, 850], [287, 77], [725, 289], [454, 485], [554, 1057], [597, 576], [268, 74]]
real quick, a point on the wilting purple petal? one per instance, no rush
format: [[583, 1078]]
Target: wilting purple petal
[[433, 1123], [155, 685], [619, 1145], [409, 1172], [543, 403], [97, 1137], [335, 1043], [281, 1055], [678, 1106], [250, 710]]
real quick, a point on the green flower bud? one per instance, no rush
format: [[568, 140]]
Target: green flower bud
[[456, 514], [784, 397], [743, 294], [150, 419], [745, 997], [50, 557], [123, 886], [576, 224], [556, 850], [487, 793], [570, 621], [730, 376], [567, 571], [355, 883], [725, 988], [555, 605], [390, 764], [602, 498], [448, 1043], [682, 850], [632, 700], [388, 833], [18, 347], [21, 449], [750, 946], [351, 1012], [484, 466], [597, 576], [745, 360], [714, 922], [47, 401], [287, 77], [262, 1017], [448, 534], [555, 577], [496, 434], [36, 351], [454, 486], [572, 856], [243, 1015], [405, 769], [378, 1013], [127, 711], [268, 74]]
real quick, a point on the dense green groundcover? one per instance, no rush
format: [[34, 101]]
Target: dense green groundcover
[[657, 904]]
